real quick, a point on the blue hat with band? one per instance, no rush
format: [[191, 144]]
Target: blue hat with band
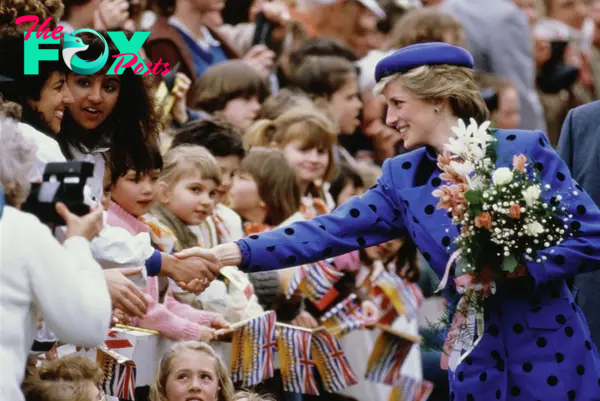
[[413, 56]]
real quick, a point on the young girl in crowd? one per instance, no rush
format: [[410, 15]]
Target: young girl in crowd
[[230, 91], [233, 297], [132, 195], [191, 370], [307, 139], [185, 194]]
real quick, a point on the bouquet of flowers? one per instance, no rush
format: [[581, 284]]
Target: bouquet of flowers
[[503, 223]]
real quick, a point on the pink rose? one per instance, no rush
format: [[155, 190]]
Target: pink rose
[[519, 162], [484, 220], [515, 211]]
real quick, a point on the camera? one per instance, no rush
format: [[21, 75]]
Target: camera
[[61, 182], [555, 75]]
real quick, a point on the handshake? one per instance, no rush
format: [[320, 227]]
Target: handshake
[[192, 269]]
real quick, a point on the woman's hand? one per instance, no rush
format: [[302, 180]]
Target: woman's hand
[[370, 313], [261, 58], [87, 226], [111, 14], [306, 320], [179, 92], [124, 294]]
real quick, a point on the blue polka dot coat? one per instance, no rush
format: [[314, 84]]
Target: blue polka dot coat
[[536, 344]]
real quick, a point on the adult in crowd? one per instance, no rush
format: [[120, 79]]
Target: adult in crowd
[[579, 146], [499, 38], [35, 265], [427, 88]]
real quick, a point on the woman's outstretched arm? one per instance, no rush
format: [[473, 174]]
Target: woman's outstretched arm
[[363, 221]]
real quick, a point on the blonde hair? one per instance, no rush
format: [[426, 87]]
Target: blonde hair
[[50, 390], [251, 396], [276, 105], [276, 182], [17, 156], [310, 127], [443, 82], [186, 159], [158, 388]]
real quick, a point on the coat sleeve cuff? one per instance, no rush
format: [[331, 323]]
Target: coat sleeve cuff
[[154, 264]]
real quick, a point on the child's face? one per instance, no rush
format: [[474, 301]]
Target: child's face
[[508, 115], [193, 377], [345, 106], [309, 164], [241, 112], [229, 167], [244, 194], [192, 198], [135, 195]]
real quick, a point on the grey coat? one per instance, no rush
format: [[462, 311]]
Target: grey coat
[[499, 39], [579, 146]]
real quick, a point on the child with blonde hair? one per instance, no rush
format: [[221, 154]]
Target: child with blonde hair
[[190, 370], [185, 192], [62, 391]]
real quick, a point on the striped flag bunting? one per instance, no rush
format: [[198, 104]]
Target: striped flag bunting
[[253, 350], [317, 282], [331, 362], [296, 362], [388, 355], [344, 317], [119, 374], [411, 389], [404, 296]]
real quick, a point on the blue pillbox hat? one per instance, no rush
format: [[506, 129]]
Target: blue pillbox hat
[[413, 56]]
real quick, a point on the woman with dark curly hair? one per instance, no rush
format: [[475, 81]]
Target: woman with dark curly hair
[[112, 115]]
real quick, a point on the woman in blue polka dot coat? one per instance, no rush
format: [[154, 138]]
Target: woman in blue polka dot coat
[[536, 344]]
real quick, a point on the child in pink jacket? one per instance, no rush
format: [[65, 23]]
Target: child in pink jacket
[[132, 195]]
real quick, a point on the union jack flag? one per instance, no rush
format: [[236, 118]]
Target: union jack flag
[[387, 357], [331, 362], [253, 350], [296, 363], [316, 281], [411, 389], [344, 317], [119, 374]]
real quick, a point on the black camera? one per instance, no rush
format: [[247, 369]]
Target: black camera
[[555, 75], [62, 182]]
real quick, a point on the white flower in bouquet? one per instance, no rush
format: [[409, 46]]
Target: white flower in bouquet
[[531, 195], [476, 182], [470, 142], [502, 176], [465, 169], [534, 229]]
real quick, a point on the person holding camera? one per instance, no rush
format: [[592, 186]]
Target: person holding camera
[[38, 274]]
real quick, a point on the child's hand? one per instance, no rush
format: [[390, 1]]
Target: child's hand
[[180, 91], [306, 320], [120, 317], [370, 313], [206, 334], [219, 322]]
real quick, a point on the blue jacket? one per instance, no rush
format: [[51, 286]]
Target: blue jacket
[[536, 344]]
